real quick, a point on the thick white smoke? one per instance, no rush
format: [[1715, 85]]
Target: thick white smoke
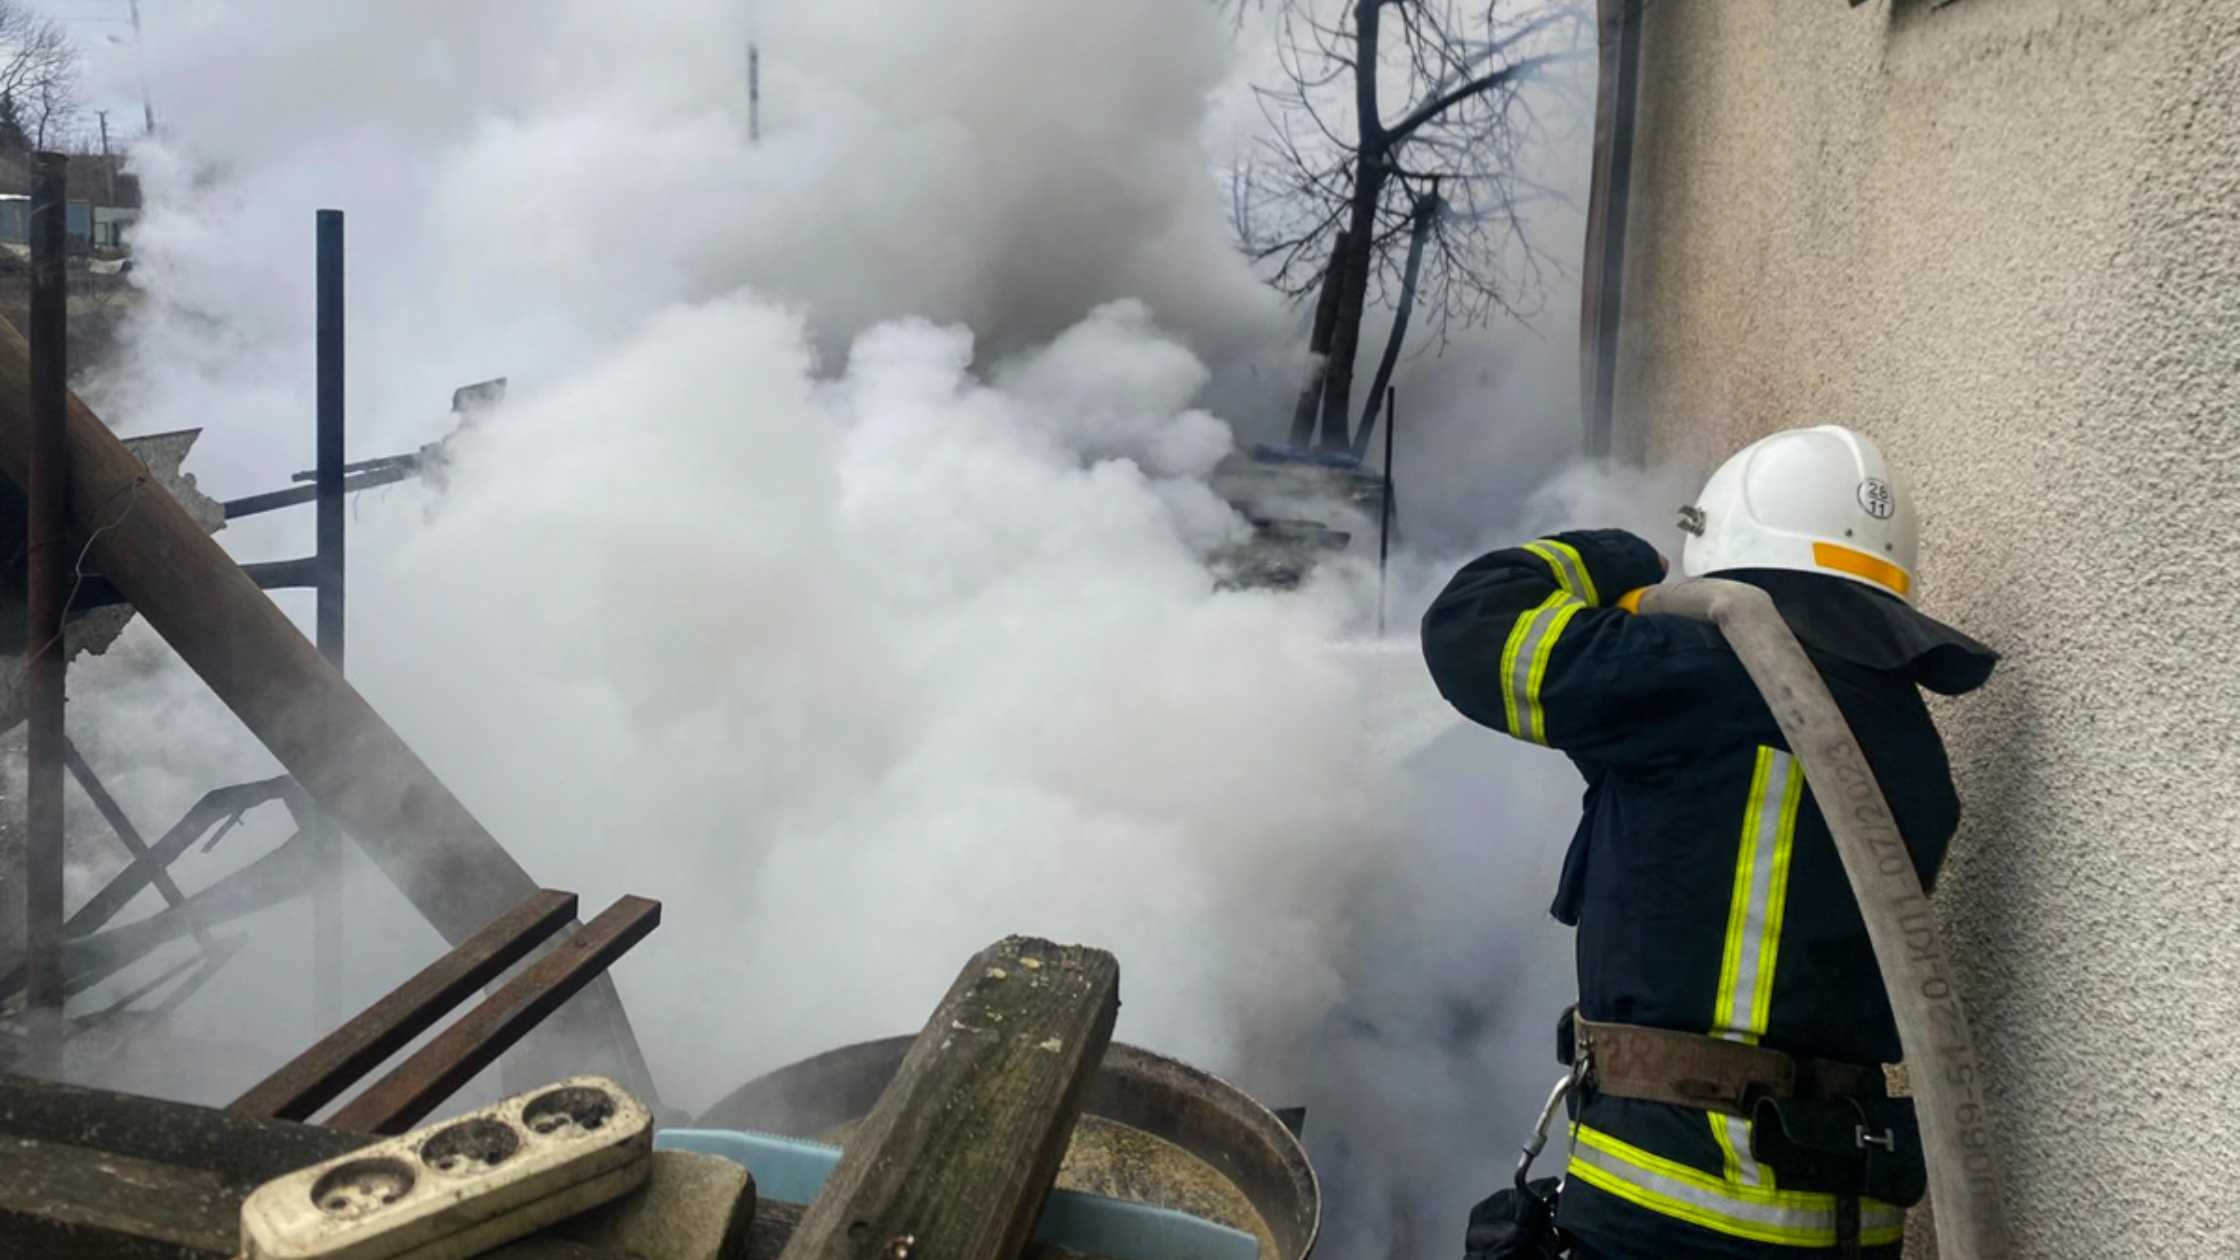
[[858, 674], [834, 572]]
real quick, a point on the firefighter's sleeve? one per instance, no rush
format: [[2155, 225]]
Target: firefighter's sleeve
[[1533, 641]]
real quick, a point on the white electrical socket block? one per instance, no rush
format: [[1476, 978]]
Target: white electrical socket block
[[457, 1189]]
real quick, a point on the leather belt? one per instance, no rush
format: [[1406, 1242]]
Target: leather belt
[[1708, 1073]]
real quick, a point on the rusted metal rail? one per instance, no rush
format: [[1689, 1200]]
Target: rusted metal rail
[[320, 1074], [274, 500], [416, 1087]]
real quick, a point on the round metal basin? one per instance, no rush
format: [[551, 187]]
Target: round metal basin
[[1152, 1129]]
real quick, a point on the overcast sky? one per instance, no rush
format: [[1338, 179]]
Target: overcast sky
[[102, 29]]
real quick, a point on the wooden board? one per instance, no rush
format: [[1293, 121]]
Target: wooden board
[[62, 1201], [957, 1156], [88, 1172], [239, 1149]]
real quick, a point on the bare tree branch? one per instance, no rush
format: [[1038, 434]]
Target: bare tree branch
[[1475, 80], [1438, 105], [38, 78]]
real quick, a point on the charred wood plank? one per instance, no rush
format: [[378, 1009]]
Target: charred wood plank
[[241, 1150], [65, 1201]]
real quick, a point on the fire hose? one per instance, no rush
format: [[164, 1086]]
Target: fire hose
[[1944, 1071]]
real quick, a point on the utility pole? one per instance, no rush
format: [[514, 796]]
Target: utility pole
[[108, 165], [754, 77], [140, 51]]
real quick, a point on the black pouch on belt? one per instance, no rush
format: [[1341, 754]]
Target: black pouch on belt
[[1842, 1145], [1516, 1224]]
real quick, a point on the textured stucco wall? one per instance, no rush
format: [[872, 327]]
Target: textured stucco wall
[[2003, 236]]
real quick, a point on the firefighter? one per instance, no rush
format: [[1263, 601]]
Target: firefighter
[[1731, 1023]]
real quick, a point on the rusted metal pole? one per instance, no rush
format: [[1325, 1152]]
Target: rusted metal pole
[[273, 500], [46, 486], [326, 899]]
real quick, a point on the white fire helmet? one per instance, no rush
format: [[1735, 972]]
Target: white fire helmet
[[1816, 500]]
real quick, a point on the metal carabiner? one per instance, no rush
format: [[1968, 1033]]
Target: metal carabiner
[[1539, 1140]]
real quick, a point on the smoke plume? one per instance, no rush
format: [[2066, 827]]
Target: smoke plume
[[835, 569]]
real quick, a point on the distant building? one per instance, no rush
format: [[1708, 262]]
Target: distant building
[[79, 221], [110, 223], [104, 202]]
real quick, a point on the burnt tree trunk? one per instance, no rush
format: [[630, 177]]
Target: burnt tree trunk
[[1318, 349], [1345, 333], [1419, 231], [1371, 167]]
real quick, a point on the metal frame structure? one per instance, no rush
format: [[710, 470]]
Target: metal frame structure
[[68, 957], [323, 571]]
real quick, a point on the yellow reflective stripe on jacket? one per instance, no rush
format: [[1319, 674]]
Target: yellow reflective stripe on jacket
[[1753, 939], [1760, 899], [1524, 664], [1732, 1133], [1790, 1218], [1570, 569]]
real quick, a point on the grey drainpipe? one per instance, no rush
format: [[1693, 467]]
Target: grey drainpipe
[[1619, 31]]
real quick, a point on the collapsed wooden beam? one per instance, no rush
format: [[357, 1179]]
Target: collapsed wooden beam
[[313, 721], [957, 1156]]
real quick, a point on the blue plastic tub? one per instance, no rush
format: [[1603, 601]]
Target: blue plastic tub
[[790, 1170]]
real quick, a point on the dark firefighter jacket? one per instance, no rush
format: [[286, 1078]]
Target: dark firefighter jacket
[[1703, 883]]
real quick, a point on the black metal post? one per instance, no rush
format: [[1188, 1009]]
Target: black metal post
[[326, 899], [1384, 514], [46, 597], [330, 437]]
